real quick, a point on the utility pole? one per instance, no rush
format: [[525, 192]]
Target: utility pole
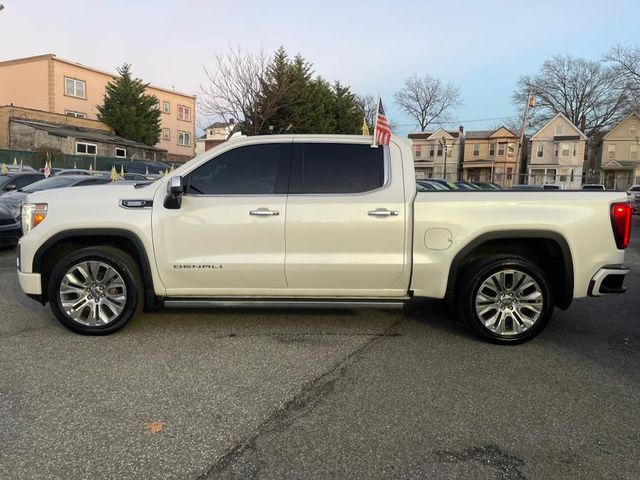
[[531, 102], [443, 143]]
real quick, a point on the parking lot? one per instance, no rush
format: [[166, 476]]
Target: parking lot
[[320, 394]]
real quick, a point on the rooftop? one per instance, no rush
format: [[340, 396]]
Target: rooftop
[[81, 133]]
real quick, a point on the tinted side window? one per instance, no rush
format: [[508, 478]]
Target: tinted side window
[[249, 170], [24, 180], [337, 168]]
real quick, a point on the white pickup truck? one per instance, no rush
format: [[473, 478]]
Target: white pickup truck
[[318, 221]]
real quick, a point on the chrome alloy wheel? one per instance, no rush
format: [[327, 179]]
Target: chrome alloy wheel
[[92, 293], [509, 302]]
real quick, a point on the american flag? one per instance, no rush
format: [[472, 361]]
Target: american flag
[[382, 133]]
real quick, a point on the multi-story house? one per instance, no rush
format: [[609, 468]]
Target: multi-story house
[[620, 158], [213, 135], [490, 156], [52, 84], [437, 154], [557, 154]]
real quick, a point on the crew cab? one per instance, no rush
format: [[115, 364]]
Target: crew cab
[[318, 221]]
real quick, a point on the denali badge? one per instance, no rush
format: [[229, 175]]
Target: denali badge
[[196, 266]]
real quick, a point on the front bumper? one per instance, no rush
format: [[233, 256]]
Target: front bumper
[[30, 283], [608, 280]]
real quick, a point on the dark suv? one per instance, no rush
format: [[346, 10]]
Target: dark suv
[[15, 180]]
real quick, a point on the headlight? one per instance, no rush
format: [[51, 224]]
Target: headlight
[[32, 215]]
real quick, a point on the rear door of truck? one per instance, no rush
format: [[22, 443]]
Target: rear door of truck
[[345, 222]]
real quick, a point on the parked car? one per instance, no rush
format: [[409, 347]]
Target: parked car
[[82, 171], [430, 185], [633, 197], [19, 168], [487, 186], [141, 177], [14, 199], [142, 166], [546, 186], [592, 186], [465, 186], [15, 180], [10, 230], [634, 190], [445, 183], [317, 221]]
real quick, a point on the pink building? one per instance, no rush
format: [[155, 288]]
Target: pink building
[[49, 83]]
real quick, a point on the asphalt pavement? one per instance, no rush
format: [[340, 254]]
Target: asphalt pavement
[[320, 394]]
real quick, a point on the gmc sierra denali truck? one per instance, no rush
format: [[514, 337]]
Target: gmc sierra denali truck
[[318, 221]]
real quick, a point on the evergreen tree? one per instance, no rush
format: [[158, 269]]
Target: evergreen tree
[[131, 112], [305, 104]]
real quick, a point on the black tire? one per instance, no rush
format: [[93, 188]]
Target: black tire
[[123, 264], [482, 270]]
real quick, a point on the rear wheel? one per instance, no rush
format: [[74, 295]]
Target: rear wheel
[[505, 299], [96, 290]]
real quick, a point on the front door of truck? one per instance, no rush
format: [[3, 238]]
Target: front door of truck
[[346, 214], [228, 236]]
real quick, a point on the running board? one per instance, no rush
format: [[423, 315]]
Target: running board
[[289, 303]]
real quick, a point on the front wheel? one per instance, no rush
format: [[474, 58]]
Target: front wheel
[[505, 299], [95, 290]]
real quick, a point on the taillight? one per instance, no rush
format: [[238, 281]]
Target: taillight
[[621, 223]]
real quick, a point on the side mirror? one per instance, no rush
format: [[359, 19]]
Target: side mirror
[[176, 185], [175, 189], [10, 187]]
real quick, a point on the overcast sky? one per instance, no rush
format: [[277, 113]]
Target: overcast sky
[[482, 45]]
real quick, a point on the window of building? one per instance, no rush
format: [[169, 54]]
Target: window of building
[[71, 113], [74, 88], [558, 129], [432, 150], [575, 149], [86, 148], [166, 134], [632, 129], [184, 138], [439, 149], [611, 151], [492, 149], [418, 151], [633, 151], [166, 107], [249, 170], [540, 151], [331, 168], [121, 152], [184, 113], [511, 149], [501, 149], [509, 173], [565, 149], [476, 149]]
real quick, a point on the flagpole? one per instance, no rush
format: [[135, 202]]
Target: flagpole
[[375, 126]]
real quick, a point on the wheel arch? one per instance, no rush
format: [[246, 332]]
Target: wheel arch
[[65, 242], [551, 245]]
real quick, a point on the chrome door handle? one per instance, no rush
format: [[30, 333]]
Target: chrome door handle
[[383, 212], [264, 212]]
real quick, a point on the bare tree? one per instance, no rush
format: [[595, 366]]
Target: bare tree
[[626, 63], [590, 94], [428, 99], [234, 90], [368, 105]]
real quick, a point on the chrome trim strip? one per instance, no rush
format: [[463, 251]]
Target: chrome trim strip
[[136, 203], [265, 303]]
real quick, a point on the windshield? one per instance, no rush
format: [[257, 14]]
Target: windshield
[[49, 183], [4, 179]]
